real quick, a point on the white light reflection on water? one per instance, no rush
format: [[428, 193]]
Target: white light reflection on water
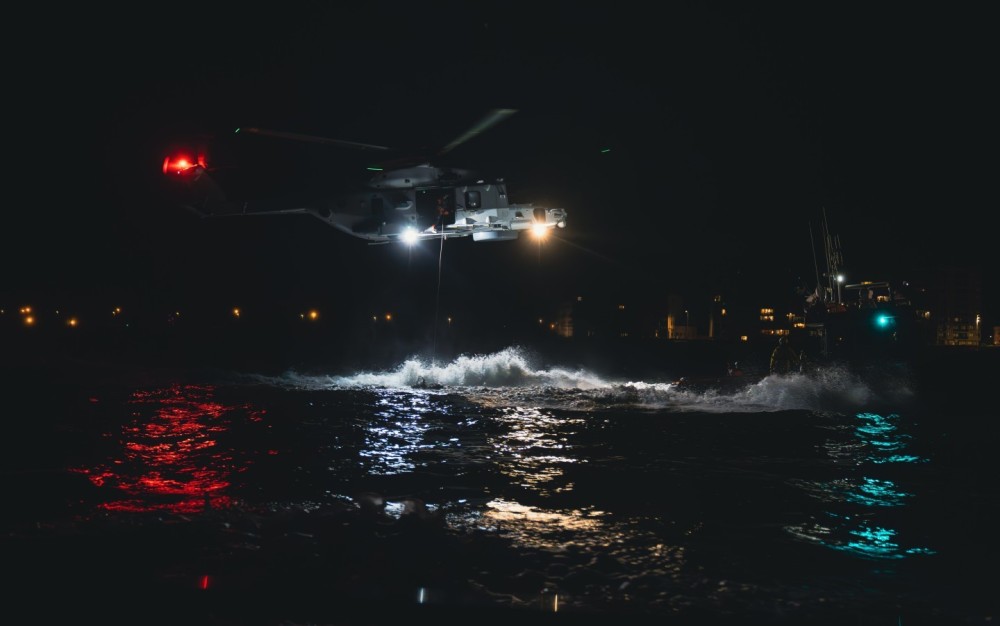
[[581, 530], [855, 527], [532, 446], [528, 449], [397, 431], [534, 450]]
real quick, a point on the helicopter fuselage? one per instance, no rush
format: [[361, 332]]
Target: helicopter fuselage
[[410, 204], [479, 209]]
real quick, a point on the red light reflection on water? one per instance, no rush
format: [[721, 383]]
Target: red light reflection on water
[[171, 458]]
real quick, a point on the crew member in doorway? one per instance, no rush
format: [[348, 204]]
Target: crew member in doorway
[[784, 359], [442, 214]]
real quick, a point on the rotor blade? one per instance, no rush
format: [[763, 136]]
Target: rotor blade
[[493, 118], [311, 138]]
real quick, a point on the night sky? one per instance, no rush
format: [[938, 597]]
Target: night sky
[[730, 131]]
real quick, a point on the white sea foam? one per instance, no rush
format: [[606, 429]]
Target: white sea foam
[[511, 367], [514, 375]]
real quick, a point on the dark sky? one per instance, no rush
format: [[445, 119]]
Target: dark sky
[[730, 129]]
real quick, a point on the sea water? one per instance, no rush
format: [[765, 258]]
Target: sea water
[[494, 482]]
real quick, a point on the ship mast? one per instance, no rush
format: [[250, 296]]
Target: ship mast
[[812, 243], [834, 262]]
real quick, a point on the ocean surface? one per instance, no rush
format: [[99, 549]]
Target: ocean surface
[[501, 486]]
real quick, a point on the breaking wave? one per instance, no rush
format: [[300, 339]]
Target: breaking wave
[[512, 376]]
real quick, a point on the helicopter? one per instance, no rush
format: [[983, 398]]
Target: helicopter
[[409, 200]]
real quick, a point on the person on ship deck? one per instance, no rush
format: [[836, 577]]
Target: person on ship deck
[[784, 358]]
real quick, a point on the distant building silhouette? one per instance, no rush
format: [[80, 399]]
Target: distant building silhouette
[[956, 305]]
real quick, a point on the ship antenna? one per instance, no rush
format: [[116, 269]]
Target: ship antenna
[[812, 243], [834, 259]]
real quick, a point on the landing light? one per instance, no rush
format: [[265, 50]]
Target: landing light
[[539, 231], [409, 236]]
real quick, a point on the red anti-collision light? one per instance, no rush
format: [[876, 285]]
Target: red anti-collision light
[[180, 164]]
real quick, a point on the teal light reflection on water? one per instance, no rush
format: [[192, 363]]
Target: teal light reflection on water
[[864, 539], [882, 434], [876, 492], [873, 542], [899, 458], [859, 531]]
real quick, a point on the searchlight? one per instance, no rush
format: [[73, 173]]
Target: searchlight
[[409, 236]]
